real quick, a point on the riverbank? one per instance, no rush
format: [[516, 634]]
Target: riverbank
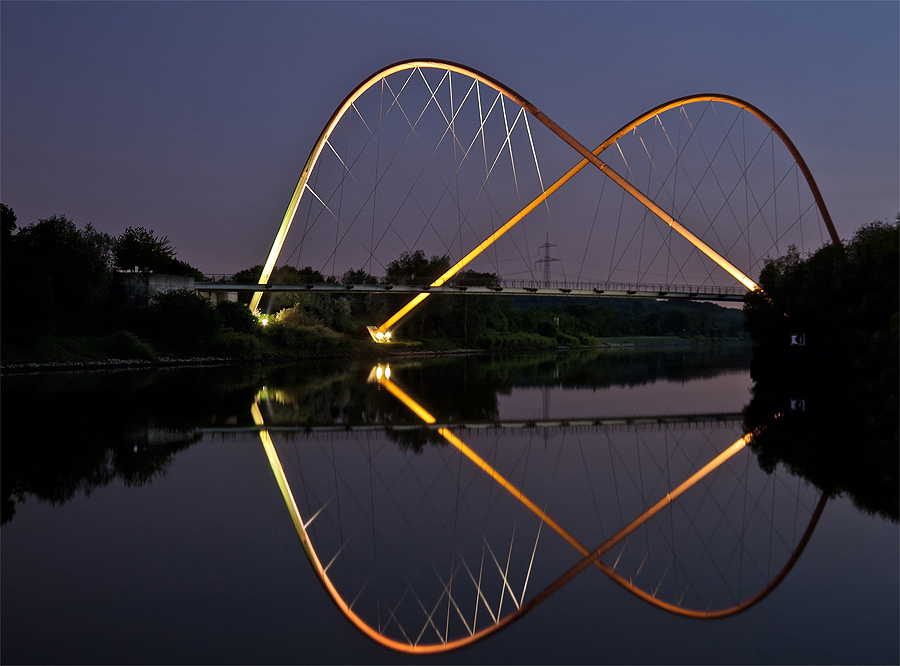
[[86, 353]]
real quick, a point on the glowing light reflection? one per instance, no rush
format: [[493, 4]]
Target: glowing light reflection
[[590, 557]]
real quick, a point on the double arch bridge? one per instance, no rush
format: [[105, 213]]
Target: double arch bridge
[[431, 550], [687, 200]]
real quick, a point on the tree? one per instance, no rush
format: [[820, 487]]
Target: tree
[[141, 248], [8, 219], [7, 249], [237, 316], [54, 273], [359, 276], [248, 275], [469, 278], [280, 275], [414, 268], [845, 302], [305, 275], [137, 247]]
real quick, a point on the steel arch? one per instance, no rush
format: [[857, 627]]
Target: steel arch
[[336, 117], [746, 106], [587, 155]]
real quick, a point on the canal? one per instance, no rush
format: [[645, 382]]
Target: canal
[[593, 506]]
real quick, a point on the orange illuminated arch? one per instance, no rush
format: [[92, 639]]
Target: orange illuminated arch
[[592, 157], [339, 113], [746, 106], [589, 157], [589, 557], [382, 333]]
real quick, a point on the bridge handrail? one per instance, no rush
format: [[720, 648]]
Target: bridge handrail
[[599, 287]]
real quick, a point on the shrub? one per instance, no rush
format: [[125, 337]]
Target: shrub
[[333, 311], [237, 317], [497, 341], [295, 315], [185, 319], [282, 337], [233, 344], [305, 340], [567, 340], [317, 340], [126, 345]]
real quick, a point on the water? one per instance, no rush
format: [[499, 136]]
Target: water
[[144, 522]]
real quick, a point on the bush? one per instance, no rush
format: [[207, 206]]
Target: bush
[[281, 337], [567, 340], [126, 345], [333, 311], [233, 344], [318, 340], [305, 340], [237, 317], [497, 341], [295, 316], [185, 319]]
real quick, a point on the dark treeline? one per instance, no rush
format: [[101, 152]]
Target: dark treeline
[[65, 296], [828, 408], [57, 278]]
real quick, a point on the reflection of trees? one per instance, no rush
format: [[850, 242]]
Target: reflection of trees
[[327, 399], [57, 469], [600, 369], [456, 388], [826, 443], [415, 440], [66, 434], [61, 442], [593, 368], [465, 388]]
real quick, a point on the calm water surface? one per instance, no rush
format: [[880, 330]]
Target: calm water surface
[[582, 507]]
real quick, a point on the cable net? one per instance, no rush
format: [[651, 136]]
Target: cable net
[[431, 545], [427, 158]]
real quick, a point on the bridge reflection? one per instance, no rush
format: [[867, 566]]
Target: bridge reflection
[[430, 550]]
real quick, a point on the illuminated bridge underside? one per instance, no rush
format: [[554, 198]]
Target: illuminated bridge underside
[[483, 584], [684, 171]]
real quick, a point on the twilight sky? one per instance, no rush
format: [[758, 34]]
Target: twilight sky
[[195, 119]]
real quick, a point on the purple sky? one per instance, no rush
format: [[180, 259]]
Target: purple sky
[[195, 119]]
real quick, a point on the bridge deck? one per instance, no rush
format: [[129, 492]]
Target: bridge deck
[[474, 427], [604, 291]]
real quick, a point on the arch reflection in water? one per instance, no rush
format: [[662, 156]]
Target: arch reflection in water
[[430, 550]]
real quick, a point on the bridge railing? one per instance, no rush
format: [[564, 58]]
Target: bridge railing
[[600, 287], [497, 283]]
